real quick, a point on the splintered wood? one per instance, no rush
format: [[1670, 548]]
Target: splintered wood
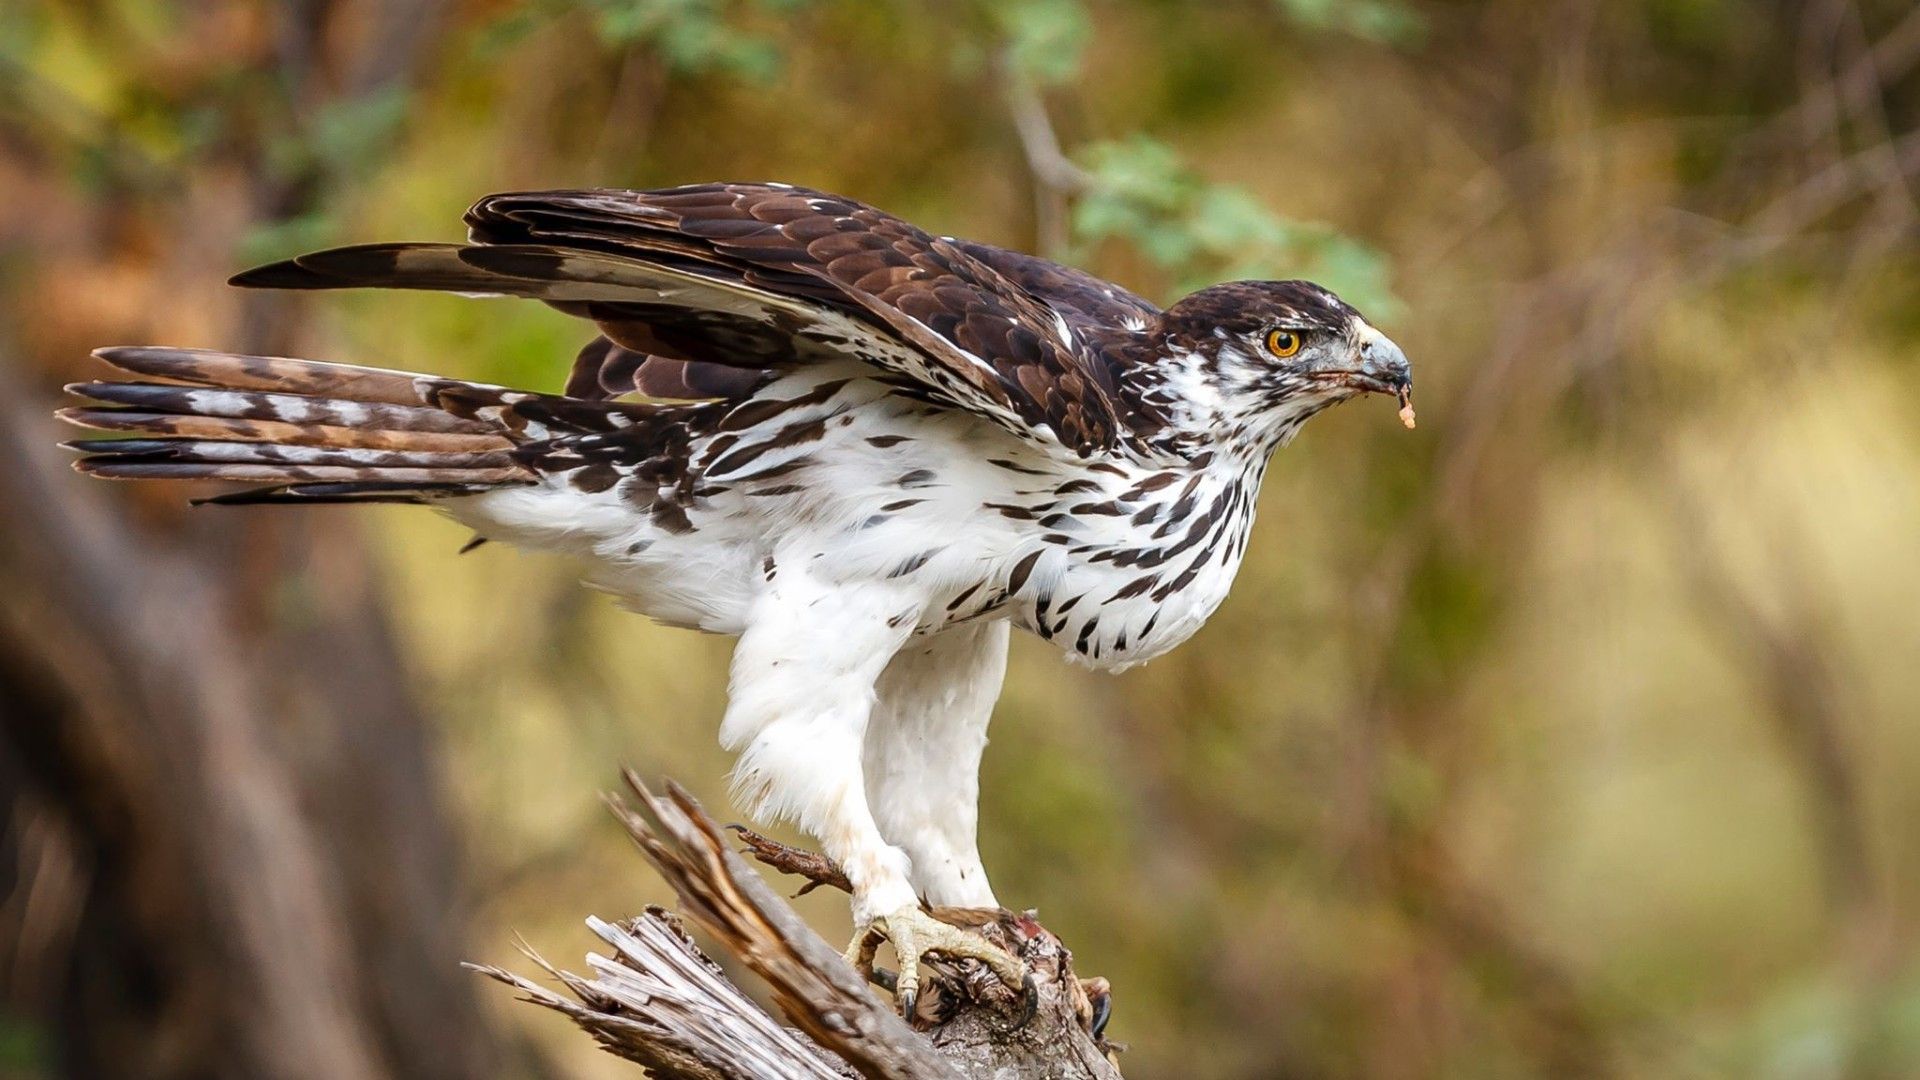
[[660, 1002]]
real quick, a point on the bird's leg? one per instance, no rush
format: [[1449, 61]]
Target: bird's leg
[[921, 761], [922, 756], [802, 690]]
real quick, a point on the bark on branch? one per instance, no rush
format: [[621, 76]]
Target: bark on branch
[[660, 1002]]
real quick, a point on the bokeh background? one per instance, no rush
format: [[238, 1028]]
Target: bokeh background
[[1574, 734]]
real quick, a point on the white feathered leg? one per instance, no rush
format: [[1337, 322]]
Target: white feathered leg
[[801, 693], [922, 759], [801, 690]]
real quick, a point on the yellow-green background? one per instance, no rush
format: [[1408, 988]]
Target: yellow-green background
[[1505, 756]]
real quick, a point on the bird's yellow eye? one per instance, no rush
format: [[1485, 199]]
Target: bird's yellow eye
[[1283, 343]]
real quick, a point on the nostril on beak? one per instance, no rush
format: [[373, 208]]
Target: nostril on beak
[[1383, 360]]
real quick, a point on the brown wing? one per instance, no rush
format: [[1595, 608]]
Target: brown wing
[[987, 334], [764, 276]]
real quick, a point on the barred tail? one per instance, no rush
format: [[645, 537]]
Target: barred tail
[[309, 431]]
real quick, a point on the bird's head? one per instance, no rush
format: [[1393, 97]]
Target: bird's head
[[1272, 353]]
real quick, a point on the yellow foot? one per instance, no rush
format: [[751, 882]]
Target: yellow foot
[[914, 934]]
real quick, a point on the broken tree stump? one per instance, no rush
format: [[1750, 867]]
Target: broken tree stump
[[660, 1002]]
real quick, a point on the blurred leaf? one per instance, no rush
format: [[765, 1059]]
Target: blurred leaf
[[1046, 40], [1387, 21], [1142, 192], [693, 37], [349, 136]]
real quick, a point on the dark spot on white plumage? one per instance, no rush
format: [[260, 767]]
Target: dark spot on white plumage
[[913, 563], [1021, 570], [965, 594], [1010, 466], [1086, 635]]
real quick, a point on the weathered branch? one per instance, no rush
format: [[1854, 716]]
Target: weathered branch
[[660, 1002]]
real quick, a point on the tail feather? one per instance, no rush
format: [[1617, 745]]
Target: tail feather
[[287, 408], [209, 367], [245, 453], [274, 431], [310, 431], [112, 467], [333, 494]]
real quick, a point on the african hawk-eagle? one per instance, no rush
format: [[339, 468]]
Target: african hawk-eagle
[[865, 451]]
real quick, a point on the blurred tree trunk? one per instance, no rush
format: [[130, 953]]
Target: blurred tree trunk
[[225, 851]]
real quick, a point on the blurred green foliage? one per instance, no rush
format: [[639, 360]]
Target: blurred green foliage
[[1200, 233], [690, 36]]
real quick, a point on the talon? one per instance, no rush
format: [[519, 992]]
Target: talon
[[1029, 1001], [1100, 997], [915, 934]]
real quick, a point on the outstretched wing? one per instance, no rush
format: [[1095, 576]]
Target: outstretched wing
[[765, 276]]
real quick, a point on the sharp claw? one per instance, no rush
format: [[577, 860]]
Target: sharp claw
[[1029, 1001], [1102, 1012], [908, 998]]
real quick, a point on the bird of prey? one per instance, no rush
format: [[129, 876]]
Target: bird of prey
[[867, 452]]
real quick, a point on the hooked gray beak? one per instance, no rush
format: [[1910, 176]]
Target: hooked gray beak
[[1381, 359]]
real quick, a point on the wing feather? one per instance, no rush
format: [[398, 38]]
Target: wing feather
[[759, 276]]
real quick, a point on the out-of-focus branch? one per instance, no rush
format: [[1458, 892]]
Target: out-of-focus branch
[[1051, 166], [1055, 177], [1794, 673], [169, 719], [1892, 56], [659, 1002]]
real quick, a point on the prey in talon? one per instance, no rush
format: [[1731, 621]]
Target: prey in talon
[[869, 452]]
